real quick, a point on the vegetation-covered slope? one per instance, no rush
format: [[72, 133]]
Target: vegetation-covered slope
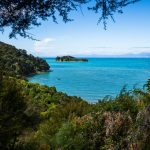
[[37, 117], [17, 62]]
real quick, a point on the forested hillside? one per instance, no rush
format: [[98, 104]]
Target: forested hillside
[[17, 62], [37, 117]]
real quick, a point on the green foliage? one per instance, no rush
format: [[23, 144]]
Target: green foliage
[[126, 101], [20, 15], [144, 95], [12, 112], [16, 62], [68, 137], [35, 116]]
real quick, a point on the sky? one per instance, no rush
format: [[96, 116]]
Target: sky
[[130, 34]]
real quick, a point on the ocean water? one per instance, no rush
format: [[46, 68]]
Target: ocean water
[[97, 78]]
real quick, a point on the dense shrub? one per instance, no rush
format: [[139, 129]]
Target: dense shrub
[[38, 117], [12, 112]]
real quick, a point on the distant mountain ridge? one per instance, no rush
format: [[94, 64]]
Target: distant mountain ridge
[[139, 55], [129, 55], [17, 62]]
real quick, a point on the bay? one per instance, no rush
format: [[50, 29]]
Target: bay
[[96, 78]]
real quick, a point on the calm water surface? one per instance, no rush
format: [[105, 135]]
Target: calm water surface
[[97, 78]]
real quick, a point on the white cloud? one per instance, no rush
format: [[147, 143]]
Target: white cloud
[[48, 47], [116, 50], [43, 45]]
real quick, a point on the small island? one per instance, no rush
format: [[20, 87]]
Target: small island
[[70, 59]]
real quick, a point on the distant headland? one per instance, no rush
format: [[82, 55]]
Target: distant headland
[[70, 59]]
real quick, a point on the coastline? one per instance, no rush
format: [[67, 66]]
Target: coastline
[[38, 72], [98, 77]]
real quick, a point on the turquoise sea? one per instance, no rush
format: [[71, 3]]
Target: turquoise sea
[[97, 78]]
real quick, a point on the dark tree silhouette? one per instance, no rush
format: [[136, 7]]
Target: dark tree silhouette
[[12, 112], [22, 15]]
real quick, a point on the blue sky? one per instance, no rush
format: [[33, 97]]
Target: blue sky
[[83, 37]]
